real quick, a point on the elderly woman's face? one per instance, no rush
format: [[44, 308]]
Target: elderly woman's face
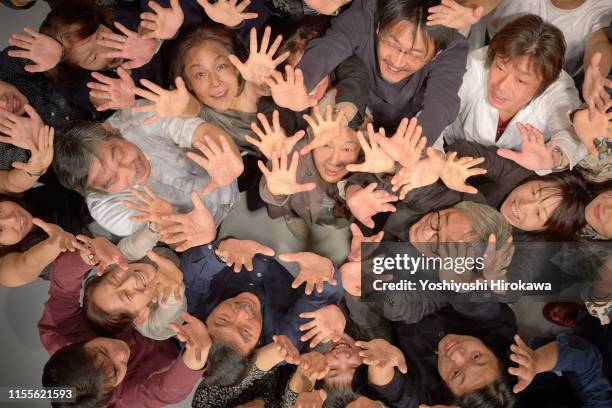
[[87, 53], [11, 99], [15, 223], [599, 214], [331, 160], [213, 78]]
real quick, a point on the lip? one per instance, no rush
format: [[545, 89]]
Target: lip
[[597, 212], [219, 95], [514, 210], [450, 346], [16, 104], [497, 98]]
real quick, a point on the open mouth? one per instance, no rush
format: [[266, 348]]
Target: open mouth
[[143, 279], [219, 94]]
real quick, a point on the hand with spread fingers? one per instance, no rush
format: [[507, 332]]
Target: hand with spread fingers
[[327, 324], [286, 350], [366, 202], [497, 261], [178, 102], [168, 279], [451, 14], [456, 171], [272, 137], [535, 154], [101, 252], [198, 342], [423, 173], [59, 239], [359, 239], [20, 131], [197, 227], [116, 92], [240, 252], [41, 154], [261, 62], [135, 50], [311, 399], [153, 207], [222, 163], [527, 361], [290, 92], [594, 88], [282, 179], [381, 357], [315, 270], [313, 366], [324, 129], [230, 13], [406, 145], [376, 159], [44, 51], [163, 23]]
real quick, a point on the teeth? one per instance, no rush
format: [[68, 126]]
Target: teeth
[[143, 279]]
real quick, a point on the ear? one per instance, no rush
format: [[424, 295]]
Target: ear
[[142, 316]]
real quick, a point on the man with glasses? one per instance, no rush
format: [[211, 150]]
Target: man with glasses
[[413, 68]]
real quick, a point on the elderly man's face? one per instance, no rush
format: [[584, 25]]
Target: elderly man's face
[[119, 165], [448, 225]]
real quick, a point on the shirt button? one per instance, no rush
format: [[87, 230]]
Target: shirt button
[[209, 246], [251, 284], [259, 274], [67, 117], [52, 113]]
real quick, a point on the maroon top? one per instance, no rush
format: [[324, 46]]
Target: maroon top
[[156, 375]]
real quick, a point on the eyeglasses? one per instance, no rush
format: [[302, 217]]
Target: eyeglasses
[[434, 241], [410, 53]]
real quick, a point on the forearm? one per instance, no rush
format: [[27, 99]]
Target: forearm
[[380, 376], [599, 43], [547, 357], [136, 246], [299, 382], [267, 357], [17, 269], [488, 5]]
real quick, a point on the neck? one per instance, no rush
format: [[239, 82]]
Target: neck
[[567, 4], [506, 116], [247, 100]]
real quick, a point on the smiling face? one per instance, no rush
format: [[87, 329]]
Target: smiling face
[[213, 78], [237, 321], [87, 54], [512, 84], [343, 359], [448, 225], [529, 206], [466, 364], [130, 291], [15, 223], [400, 53], [331, 160], [599, 214], [11, 99], [119, 165], [113, 352]]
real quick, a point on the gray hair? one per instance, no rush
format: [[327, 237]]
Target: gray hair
[[74, 151], [485, 221]]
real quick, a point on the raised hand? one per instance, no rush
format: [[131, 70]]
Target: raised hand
[[358, 239], [290, 93], [456, 171], [261, 62], [227, 12], [131, 47], [153, 207], [166, 103], [364, 203], [286, 350], [594, 88], [527, 361], [323, 129], [164, 23], [382, 354], [198, 342], [423, 173], [240, 252], [58, 238], [497, 261], [313, 366], [44, 51], [406, 145], [535, 154], [312, 399], [327, 324], [593, 128], [197, 227], [376, 160], [20, 131], [222, 164], [282, 180], [117, 91], [100, 251], [453, 15], [168, 279], [315, 270], [41, 154], [272, 137]]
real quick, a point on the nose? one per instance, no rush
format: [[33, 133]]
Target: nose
[[213, 80], [504, 82], [398, 59], [458, 356], [335, 157]]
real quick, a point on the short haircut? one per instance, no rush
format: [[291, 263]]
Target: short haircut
[[74, 152], [194, 38], [339, 398], [90, 373], [298, 34], [531, 36], [485, 221], [100, 321], [226, 367], [495, 395], [415, 12], [568, 218]]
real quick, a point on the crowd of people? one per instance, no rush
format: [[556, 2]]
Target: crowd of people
[[130, 132]]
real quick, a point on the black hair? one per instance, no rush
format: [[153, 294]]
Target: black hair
[[498, 394], [339, 398], [415, 12], [101, 322], [74, 366], [225, 365]]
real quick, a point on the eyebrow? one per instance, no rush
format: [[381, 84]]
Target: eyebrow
[[411, 48]]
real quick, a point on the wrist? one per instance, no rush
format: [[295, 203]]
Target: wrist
[[193, 108], [351, 190], [190, 360], [35, 173]]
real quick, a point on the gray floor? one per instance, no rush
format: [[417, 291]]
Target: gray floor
[[22, 356]]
